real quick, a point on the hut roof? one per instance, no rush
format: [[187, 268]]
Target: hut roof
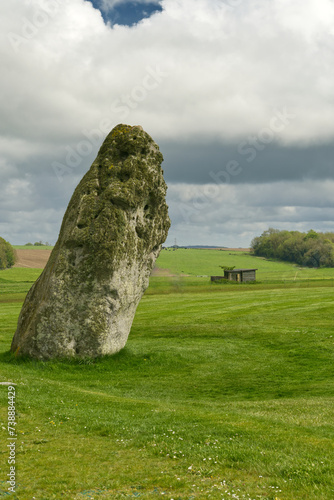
[[238, 270]]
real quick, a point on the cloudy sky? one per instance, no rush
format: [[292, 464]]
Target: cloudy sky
[[239, 95]]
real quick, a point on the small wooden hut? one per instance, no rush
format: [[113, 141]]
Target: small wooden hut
[[240, 275]]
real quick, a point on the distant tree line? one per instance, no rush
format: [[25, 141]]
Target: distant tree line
[[38, 244], [310, 249], [7, 254]]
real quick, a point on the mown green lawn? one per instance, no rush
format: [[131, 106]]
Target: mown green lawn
[[220, 393]]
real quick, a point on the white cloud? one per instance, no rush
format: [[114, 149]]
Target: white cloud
[[229, 68]]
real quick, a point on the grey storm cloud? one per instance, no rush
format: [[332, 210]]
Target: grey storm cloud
[[244, 163], [234, 214]]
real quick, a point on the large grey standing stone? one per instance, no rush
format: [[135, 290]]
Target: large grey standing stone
[[84, 302]]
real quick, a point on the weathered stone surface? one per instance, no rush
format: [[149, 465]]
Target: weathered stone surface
[[84, 302]]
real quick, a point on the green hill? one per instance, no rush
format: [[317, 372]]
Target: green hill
[[207, 262]]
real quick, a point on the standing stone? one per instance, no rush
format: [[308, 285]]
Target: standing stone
[[84, 302]]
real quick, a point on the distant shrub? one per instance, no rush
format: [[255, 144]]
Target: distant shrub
[[7, 254], [39, 244], [28, 245]]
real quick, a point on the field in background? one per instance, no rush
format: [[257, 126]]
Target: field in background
[[207, 262], [32, 258], [33, 247], [223, 391]]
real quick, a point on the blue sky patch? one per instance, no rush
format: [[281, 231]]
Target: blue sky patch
[[126, 13]]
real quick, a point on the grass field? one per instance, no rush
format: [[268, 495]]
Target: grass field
[[223, 391], [208, 262]]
